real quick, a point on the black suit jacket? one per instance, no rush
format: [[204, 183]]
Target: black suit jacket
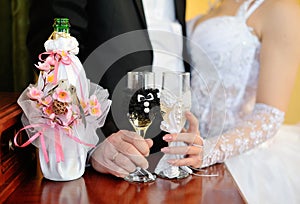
[[94, 22]]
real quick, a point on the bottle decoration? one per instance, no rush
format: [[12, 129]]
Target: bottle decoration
[[63, 109]]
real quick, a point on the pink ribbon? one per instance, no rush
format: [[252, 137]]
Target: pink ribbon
[[35, 136], [57, 139], [58, 149], [56, 57], [75, 70]]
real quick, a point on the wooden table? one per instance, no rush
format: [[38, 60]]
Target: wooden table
[[94, 187], [15, 163]]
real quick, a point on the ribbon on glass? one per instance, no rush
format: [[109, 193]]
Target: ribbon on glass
[[58, 147]]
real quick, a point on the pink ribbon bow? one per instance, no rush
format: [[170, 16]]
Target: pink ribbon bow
[[57, 139]]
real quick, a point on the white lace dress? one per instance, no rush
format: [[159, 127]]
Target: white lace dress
[[223, 99]]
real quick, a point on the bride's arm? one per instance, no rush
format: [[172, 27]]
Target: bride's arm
[[279, 32], [279, 62], [253, 130]]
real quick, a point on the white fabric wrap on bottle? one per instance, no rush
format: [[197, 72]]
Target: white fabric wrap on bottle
[[66, 160]]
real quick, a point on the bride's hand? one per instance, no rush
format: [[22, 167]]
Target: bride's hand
[[193, 151]]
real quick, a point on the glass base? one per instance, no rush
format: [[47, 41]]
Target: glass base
[[182, 174], [140, 175]]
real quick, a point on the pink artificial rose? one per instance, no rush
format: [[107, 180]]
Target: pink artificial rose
[[43, 66], [62, 95], [95, 110], [93, 101], [35, 93], [46, 101], [48, 111]]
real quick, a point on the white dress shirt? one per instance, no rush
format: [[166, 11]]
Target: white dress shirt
[[165, 34]]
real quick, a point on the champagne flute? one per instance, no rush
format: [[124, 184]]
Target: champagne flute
[[141, 113], [175, 100]]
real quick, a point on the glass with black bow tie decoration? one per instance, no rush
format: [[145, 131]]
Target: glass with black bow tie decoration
[[143, 106]]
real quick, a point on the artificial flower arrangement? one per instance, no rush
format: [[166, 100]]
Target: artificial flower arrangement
[[63, 109]]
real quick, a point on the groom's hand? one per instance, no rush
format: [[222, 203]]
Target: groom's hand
[[193, 151], [121, 153]]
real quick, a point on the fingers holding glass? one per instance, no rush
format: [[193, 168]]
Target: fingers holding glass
[[118, 157], [140, 144], [189, 138], [193, 155], [141, 112]]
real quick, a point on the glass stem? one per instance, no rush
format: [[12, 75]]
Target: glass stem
[[141, 131]]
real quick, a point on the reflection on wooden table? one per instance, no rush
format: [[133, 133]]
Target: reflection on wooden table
[[94, 187]]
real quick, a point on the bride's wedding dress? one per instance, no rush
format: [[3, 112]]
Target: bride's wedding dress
[[262, 154]]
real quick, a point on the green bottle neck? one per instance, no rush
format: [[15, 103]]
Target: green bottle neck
[[61, 27]]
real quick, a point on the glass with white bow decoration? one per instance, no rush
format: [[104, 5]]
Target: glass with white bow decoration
[[175, 100], [143, 105]]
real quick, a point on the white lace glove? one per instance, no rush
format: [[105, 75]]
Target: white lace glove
[[251, 131]]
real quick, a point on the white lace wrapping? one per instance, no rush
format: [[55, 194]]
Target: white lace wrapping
[[173, 123]]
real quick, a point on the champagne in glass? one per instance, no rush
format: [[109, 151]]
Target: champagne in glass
[[175, 100], [141, 112]]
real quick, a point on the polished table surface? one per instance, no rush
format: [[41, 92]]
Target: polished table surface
[[94, 187]]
